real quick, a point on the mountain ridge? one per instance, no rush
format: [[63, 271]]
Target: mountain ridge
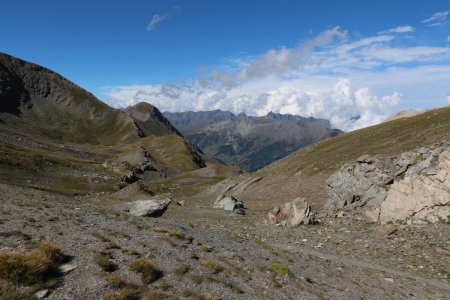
[[247, 141]]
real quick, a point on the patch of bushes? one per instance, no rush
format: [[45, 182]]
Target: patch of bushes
[[149, 273]]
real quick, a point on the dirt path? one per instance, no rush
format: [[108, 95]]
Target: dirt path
[[360, 264]]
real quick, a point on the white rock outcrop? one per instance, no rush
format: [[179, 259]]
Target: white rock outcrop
[[292, 213], [423, 197], [228, 203], [149, 207]]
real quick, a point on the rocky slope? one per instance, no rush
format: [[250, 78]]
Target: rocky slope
[[375, 168], [250, 142]]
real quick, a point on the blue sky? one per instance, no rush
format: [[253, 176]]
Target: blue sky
[[365, 58]]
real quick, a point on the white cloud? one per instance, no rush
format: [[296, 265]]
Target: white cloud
[[437, 19], [155, 20], [399, 29], [346, 107], [406, 54], [354, 83]]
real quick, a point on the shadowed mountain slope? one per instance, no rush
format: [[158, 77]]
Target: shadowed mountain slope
[[250, 142], [56, 136]]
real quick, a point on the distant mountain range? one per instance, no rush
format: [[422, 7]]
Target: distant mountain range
[[246, 141]]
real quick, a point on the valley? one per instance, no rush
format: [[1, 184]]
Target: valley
[[72, 169]]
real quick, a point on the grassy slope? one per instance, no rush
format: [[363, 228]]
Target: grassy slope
[[304, 172]]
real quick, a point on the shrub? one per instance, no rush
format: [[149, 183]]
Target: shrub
[[149, 273]]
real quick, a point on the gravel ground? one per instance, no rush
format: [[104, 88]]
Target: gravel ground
[[205, 253]]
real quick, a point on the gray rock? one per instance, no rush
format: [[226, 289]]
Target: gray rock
[[149, 208], [67, 268], [413, 185], [292, 213], [239, 211], [228, 203], [42, 294]]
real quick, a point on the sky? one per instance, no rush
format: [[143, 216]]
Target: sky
[[352, 62]]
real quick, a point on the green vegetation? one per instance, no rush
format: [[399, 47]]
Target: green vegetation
[[385, 139], [149, 273], [280, 269]]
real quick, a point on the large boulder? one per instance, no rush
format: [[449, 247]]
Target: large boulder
[[423, 195], [148, 208], [228, 203], [292, 213]]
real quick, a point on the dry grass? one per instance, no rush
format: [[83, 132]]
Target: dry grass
[[126, 293], [34, 267], [104, 261], [149, 272], [172, 232], [212, 265], [181, 270], [116, 282]]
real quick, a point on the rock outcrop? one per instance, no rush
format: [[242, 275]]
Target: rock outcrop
[[411, 187], [420, 197], [356, 185], [228, 203], [146, 208], [292, 213]]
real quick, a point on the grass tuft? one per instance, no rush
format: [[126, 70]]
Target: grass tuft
[[176, 233], [104, 262], [212, 265], [149, 273], [116, 282], [279, 269]]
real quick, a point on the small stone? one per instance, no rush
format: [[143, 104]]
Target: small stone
[[239, 211], [304, 240], [389, 279], [42, 294], [67, 268]]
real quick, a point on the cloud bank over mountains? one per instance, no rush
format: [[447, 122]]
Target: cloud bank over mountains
[[352, 82]]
